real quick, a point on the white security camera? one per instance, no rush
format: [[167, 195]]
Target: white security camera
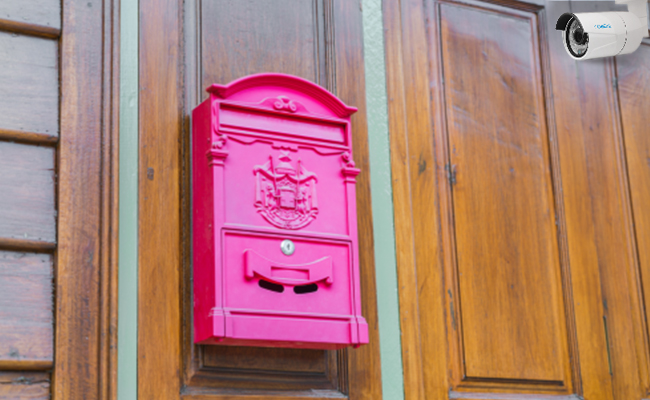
[[604, 34]]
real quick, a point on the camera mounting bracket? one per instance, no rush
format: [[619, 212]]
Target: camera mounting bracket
[[638, 8]]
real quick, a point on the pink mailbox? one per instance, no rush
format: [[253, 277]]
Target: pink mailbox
[[274, 217]]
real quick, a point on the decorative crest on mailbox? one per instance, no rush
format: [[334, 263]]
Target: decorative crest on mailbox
[[285, 196]]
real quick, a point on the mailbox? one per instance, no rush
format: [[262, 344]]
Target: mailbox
[[275, 248]]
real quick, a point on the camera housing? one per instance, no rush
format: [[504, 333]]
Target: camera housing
[[604, 34]]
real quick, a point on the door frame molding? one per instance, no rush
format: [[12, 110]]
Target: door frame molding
[[415, 176], [85, 361]]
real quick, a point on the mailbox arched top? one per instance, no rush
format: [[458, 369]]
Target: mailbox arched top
[[255, 88]]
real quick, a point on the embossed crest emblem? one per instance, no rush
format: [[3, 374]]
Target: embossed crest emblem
[[285, 195]]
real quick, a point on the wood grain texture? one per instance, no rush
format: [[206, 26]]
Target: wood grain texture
[[85, 257], [404, 35], [35, 246], [363, 368], [221, 369], [24, 385], [506, 258], [43, 139], [586, 282], [159, 254], [27, 202], [245, 37], [268, 359], [28, 29], [26, 318], [38, 12], [29, 81], [600, 238], [633, 74], [588, 175], [309, 395]]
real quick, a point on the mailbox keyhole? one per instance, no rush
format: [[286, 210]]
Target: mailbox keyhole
[[305, 288], [274, 287]]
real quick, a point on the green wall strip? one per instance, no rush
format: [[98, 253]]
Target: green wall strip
[[382, 202], [127, 328]]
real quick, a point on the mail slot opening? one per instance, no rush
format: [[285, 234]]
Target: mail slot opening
[[302, 289], [274, 287]]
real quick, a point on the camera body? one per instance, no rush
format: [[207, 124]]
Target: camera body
[[605, 34]]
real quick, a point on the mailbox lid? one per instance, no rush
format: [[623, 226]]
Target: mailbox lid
[[314, 281], [284, 93]]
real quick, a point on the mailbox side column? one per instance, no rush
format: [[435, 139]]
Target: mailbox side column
[[359, 334]]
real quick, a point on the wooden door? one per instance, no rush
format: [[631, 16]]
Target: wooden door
[[521, 191], [218, 41]]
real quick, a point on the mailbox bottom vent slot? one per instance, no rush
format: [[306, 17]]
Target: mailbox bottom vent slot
[[274, 287], [302, 289]]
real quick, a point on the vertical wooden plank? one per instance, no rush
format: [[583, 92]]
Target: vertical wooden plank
[[159, 258], [632, 79], [86, 242], [78, 255], [110, 202], [257, 36], [600, 255], [364, 371], [396, 56]]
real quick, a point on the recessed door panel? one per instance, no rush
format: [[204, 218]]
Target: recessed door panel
[[509, 317]]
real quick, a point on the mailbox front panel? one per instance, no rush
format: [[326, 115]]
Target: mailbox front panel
[[274, 217], [315, 279], [284, 188]]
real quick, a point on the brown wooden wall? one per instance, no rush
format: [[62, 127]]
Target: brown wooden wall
[[520, 187], [29, 129], [56, 199]]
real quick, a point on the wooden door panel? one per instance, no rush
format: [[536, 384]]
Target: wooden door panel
[[238, 39], [27, 209], [530, 160], [26, 311], [216, 42], [29, 81], [251, 36], [509, 307], [633, 76], [267, 360]]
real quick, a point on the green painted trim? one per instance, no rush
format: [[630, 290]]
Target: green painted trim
[[392, 378], [127, 320]]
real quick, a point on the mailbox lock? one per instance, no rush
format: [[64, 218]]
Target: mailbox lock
[[287, 247]]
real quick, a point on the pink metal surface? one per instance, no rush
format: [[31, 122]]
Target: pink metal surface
[[272, 162]]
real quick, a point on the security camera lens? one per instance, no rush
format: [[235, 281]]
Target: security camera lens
[[577, 40]]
